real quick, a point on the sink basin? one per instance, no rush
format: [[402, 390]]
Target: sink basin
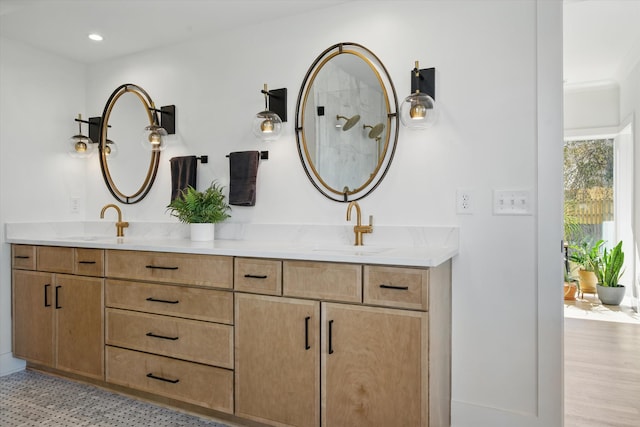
[[351, 250]]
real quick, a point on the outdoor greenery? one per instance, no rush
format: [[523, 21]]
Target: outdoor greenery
[[195, 207], [609, 267]]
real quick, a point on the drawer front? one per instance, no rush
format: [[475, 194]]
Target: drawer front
[[180, 301], [188, 382], [260, 276], [189, 269], [23, 257], [89, 262], [55, 259], [323, 280], [396, 287], [192, 340]]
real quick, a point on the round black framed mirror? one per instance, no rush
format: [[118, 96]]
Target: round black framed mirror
[[346, 122]]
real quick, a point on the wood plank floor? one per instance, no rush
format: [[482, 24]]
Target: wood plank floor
[[602, 373]]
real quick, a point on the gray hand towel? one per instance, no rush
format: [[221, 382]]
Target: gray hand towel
[[183, 174], [243, 171]]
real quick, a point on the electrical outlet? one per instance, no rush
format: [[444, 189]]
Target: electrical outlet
[[464, 201], [511, 202], [74, 205]]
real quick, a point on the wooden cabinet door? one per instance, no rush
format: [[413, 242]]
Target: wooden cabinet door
[[33, 332], [277, 364], [78, 305], [374, 366]]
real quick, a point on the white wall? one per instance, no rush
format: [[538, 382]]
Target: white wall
[[41, 95], [488, 70]]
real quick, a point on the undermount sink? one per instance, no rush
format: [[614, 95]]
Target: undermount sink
[[351, 250]]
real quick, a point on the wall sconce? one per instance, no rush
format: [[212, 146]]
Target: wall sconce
[[154, 135], [80, 146], [350, 121], [267, 124], [418, 111]]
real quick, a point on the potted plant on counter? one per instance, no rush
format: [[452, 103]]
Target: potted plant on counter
[[201, 209], [609, 269], [586, 256]]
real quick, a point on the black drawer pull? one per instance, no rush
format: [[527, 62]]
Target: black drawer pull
[[330, 336], [46, 296], [399, 288], [150, 375], [306, 333], [86, 262], [253, 276], [162, 300], [152, 335], [58, 306], [160, 267], [22, 257]]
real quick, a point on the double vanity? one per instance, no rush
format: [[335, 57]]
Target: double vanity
[[263, 331]]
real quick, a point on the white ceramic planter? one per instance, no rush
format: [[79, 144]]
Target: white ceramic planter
[[611, 296], [202, 232]]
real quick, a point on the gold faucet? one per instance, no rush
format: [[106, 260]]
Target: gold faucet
[[359, 229], [120, 226]]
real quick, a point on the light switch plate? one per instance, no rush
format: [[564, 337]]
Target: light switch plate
[[511, 202]]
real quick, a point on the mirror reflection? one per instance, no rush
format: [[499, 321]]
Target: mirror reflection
[[346, 122]]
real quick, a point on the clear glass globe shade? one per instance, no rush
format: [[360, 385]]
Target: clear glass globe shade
[[111, 149], [267, 126], [154, 138], [418, 111], [80, 146]]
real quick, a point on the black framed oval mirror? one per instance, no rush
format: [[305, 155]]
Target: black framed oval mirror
[[346, 122], [125, 115]]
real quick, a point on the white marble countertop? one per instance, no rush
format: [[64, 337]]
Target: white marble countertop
[[402, 246]]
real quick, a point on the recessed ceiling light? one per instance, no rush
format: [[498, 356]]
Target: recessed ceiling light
[[95, 37]]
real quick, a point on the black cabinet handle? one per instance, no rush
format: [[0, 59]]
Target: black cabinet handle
[[46, 296], [399, 288], [86, 262], [330, 336], [22, 257], [253, 276], [162, 300], [150, 375], [58, 298], [160, 267], [152, 335], [306, 333]]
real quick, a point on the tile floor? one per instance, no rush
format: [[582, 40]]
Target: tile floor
[[29, 398]]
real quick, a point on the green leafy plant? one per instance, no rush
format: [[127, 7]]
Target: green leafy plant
[[586, 254], [195, 207], [608, 269]]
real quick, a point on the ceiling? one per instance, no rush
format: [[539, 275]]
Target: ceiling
[[601, 37], [129, 26], [601, 40]]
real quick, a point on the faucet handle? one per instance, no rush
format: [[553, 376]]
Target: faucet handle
[[370, 220]]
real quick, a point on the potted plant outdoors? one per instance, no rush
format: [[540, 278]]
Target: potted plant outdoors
[[201, 209], [609, 269], [586, 256], [571, 287]]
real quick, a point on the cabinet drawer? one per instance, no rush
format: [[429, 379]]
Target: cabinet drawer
[[323, 280], [260, 276], [180, 301], [89, 262], [24, 257], [396, 287], [188, 382], [189, 269], [55, 259], [193, 340]]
